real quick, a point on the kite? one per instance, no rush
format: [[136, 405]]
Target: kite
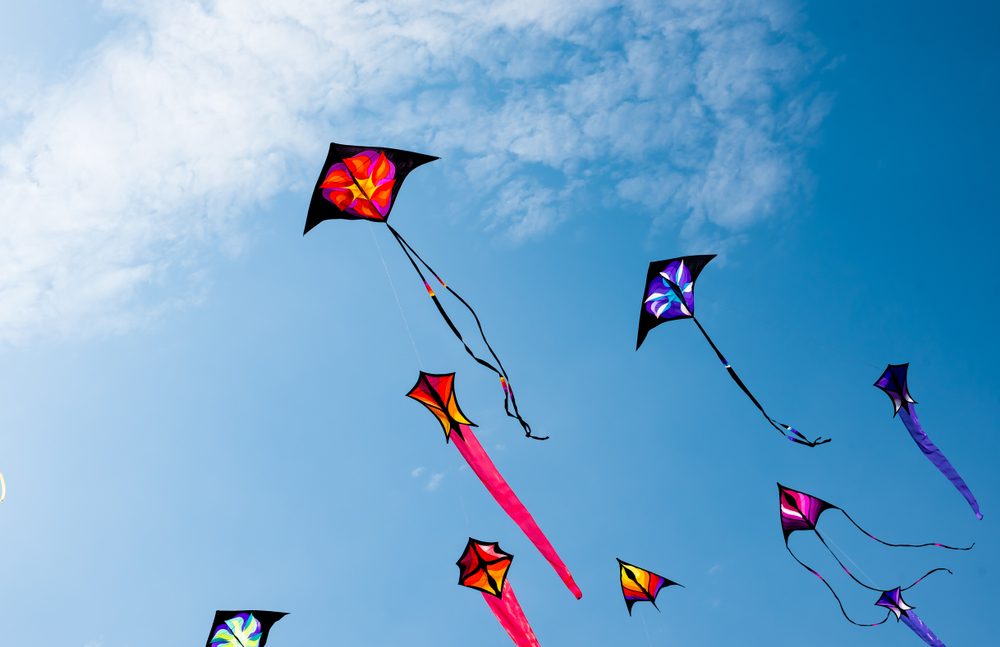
[[801, 511], [437, 393], [893, 383], [640, 585], [242, 628], [361, 183], [893, 601], [668, 296], [483, 566]]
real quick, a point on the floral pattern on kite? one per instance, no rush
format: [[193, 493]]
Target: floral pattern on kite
[[664, 293], [242, 628], [361, 185]]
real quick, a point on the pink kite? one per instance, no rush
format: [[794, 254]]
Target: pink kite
[[437, 393]]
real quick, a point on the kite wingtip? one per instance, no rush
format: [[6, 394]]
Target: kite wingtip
[[979, 516], [310, 224]]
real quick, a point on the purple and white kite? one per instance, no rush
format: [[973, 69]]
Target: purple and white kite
[[893, 382], [893, 601], [668, 295]]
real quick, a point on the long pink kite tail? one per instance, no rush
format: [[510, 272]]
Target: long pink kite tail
[[474, 454], [508, 611]]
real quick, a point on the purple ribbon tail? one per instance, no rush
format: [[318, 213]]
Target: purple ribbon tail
[[934, 454], [914, 622]]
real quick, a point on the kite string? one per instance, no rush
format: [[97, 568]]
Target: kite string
[[645, 630], [509, 401], [461, 502], [399, 305], [848, 557]]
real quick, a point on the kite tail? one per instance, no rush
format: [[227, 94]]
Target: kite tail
[[886, 543], [837, 597], [789, 432], [935, 456], [871, 588], [509, 400], [474, 454], [922, 577], [508, 611], [913, 621]]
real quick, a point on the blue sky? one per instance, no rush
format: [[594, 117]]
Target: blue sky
[[201, 409]]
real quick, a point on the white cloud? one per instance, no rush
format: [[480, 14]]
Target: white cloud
[[434, 482], [417, 471], [118, 181]]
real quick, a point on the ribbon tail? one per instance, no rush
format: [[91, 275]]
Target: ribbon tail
[[474, 454], [913, 621], [508, 611], [937, 457]]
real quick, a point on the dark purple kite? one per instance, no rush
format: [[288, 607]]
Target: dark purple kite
[[893, 601], [893, 382], [801, 511], [669, 295]]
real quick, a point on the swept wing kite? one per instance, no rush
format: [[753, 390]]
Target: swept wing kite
[[801, 511], [893, 601], [483, 566], [640, 585], [361, 183], [668, 296], [437, 393], [242, 628], [893, 383]]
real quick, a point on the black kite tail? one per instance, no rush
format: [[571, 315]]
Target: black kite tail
[[789, 432], [509, 400]]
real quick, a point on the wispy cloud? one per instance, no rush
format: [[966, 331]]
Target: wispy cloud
[[434, 482], [117, 181]]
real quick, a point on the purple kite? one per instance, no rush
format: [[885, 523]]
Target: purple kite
[[801, 511], [893, 601], [668, 295], [893, 382]]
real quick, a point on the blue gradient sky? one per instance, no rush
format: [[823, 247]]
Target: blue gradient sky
[[234, 433]]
